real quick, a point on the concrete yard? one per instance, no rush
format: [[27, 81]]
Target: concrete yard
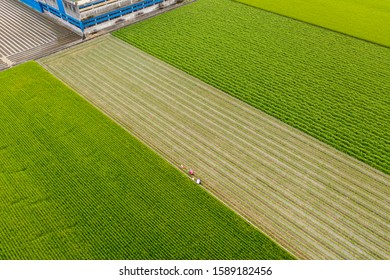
[[25, 34]]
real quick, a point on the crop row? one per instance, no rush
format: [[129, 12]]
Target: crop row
[[328, 85], [265, 170], [74, 185], [364, 17]]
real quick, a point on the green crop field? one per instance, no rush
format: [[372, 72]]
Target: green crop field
[[331, 86], [74, 185], [368, 20], [264, 169]]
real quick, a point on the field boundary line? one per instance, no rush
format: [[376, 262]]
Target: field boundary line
[[281, 125], [140, 93], [315, 25], [167, 159]]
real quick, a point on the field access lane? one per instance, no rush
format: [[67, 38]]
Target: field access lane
[[312, 199]]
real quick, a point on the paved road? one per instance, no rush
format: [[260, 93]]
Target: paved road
[[312, 199]]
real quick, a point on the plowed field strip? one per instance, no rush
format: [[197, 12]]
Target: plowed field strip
[[231, 135], [231, 160], [249, 128], [314, 200], [74, 185]]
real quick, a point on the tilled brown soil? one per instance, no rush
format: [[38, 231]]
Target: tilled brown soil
[[315, 201]]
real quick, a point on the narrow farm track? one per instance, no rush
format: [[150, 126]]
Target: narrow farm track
[[314, 200], [25, 34]]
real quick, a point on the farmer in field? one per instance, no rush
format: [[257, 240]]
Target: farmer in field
[[191, 172]]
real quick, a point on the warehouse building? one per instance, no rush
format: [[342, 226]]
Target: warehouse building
[[88, 16]]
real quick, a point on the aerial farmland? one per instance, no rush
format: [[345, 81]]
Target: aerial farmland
[[217, 129]]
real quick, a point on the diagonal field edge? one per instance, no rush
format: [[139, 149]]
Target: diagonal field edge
[[104, 77], [315, 25]]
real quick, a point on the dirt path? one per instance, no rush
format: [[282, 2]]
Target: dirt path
[[313, 200]]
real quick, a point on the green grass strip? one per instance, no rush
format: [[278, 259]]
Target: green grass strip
[[75, 185], [368, 20], [331, 86]]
